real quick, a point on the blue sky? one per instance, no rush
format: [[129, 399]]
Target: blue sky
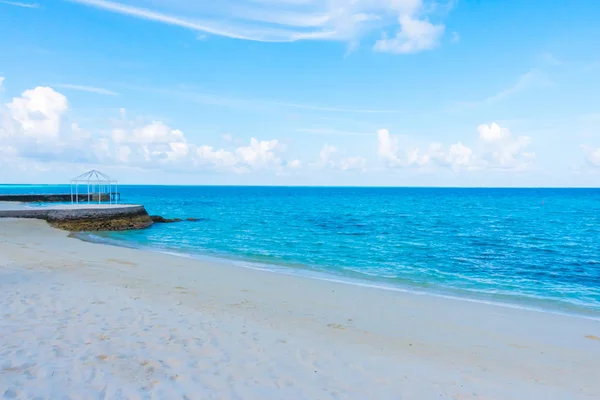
[[302, 92]]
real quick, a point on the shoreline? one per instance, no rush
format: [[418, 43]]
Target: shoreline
[[521, 303], [138, 323]]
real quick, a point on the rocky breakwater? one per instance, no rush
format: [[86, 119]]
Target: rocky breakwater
[[78, 218], [100, 219]]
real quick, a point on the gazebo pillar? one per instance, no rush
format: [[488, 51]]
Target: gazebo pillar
[[97, 183]]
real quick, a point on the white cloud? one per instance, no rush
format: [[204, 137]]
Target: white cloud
[[332, 158], [295, 164], [353, 163], [78, 133], [158, 145], [39, 112], [416, 157], [325, 155], [498, 150], [592, 155], [460, 156], [288, 21], [457, 157], [492, 133], [178, 151], [152, 144], [502, 150], [218, 159], [1, 81], [414, 35], [265, 154], [36, 126], [388, 147], [260, 153], [83, 88], [20, 4], [154, 133]]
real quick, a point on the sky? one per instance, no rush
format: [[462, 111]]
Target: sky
[[302, 92]]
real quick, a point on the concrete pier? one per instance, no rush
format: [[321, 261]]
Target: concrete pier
[[83, 217], [60, 197]]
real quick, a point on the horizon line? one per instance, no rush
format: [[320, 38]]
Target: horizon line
[[321, 186]]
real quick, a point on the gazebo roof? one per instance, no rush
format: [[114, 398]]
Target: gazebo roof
[[94, 176]]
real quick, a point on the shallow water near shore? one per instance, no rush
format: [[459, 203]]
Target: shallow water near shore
[[535, 248]]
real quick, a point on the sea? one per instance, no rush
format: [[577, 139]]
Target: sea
[[526, 248]]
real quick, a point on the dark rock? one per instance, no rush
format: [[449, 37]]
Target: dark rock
[[122, 223], [192, 219], [100, 219], [162, 220], [109, 219]]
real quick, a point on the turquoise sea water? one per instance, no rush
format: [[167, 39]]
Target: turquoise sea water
[[525, 247]]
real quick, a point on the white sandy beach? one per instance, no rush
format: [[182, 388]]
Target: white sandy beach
[[89, 321]]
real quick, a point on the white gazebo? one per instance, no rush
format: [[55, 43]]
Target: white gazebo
[[96, 186]]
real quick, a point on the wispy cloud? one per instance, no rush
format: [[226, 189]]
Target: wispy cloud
[[89, 89], [550, 59], [254, 103], [294, 20], [529, 79], [533, 78], [414, 35], [206, 26], [20, 4]]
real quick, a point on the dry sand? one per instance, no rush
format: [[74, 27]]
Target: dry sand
[[89, 321]]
